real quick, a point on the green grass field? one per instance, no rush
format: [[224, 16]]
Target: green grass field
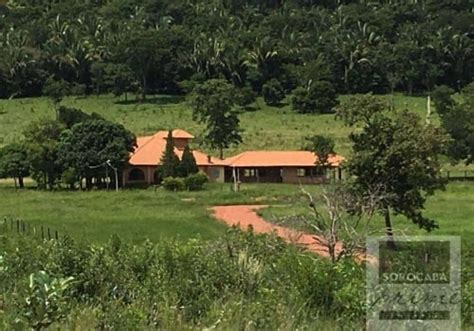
[[134, 215], [265, 128], [139, 214], [453, 209]]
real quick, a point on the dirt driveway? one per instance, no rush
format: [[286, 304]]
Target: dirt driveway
[[245, 216]]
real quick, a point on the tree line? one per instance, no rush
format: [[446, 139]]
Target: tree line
[[73, 148], [264, 47]]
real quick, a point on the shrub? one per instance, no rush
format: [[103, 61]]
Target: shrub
[[195, 182], [70, 177], [245, 97], [321, 97], [273, 92], [174, 184]]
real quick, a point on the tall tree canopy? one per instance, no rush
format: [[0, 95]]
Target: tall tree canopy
[[15, 163], [395, 153], [169, 159], [457, 117], [87, 146], [213, 104], [358, 46]]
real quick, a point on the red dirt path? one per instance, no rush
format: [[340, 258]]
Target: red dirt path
[[245, 216]]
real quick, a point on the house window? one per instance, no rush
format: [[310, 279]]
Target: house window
[[249, 172], [136, 175], [300, 172]]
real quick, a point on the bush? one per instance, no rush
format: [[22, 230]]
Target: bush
[[195, 182], [174, 184], [273, 92], [245, 97], [321, 97], [70, 177]]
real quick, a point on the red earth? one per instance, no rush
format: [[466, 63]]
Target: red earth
[[245, 217]]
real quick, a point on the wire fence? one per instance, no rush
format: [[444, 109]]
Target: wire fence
[[461, 175], [11, 225]]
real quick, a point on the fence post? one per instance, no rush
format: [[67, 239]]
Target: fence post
[[49, 234], [17, 225], [23, 226], [42, 232], [56, 235]]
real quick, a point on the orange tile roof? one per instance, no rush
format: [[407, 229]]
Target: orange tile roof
[[177, 133], [150, 149], [278, 159]]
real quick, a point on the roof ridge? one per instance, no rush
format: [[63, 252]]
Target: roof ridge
[[146, 143]]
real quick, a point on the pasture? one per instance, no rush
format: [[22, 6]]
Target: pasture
[[267, 128], [136, 215]]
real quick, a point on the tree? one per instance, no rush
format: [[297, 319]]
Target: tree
[[343, 221], [15, 163], [397, 152], [41, 139], [442, 98], [212, 103], [120, 78], [87, 146], [457, 118], [56, 90], [273, 92], [70, 116], [169, 159], [322, 147], [188, 165], [320, 97]]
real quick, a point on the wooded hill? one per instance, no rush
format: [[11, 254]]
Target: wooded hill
[[168, 46]]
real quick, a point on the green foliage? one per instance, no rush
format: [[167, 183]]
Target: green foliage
[[272, 92], [56, 89], [245, 97], [241, 277], [322, 147], [42, 139], [70, 177], [45, 300], [442, 98], [15, 163], [174, 184], [320, 98], [88, 145], [396, 155], [195, 181], [457, 118], [169, 160], [187, 165], [212, 103], [70, 116], [359, 46]]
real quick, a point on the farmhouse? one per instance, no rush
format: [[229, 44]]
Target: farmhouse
[[279, 167], [247, 167], [147, 156]]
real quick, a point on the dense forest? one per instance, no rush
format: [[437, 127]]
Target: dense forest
[[167, 46]]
